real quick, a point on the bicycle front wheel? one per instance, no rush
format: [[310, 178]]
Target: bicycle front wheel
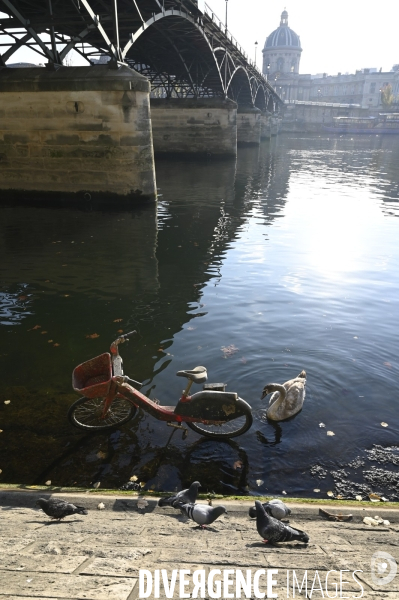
[[225, 429], [86, 413]]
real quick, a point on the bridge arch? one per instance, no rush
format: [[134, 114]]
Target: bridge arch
[[239, 86], [261, 98]]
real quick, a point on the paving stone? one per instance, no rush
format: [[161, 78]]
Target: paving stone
[[227, 557], [43, 563], [134, 554], [113, 567], [41, 586], [14, 544]]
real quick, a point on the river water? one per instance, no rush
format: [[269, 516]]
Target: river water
[[286, 259]]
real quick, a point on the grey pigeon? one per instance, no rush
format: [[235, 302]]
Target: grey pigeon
[[272, 530], [188, 496], [202, 514], [59, 509], [276, 508]]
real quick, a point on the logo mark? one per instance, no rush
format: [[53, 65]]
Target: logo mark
[[383, 568]]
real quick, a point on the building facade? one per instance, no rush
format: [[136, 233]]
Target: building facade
[[281, 58]]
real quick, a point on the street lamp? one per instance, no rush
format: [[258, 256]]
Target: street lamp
[[225, 21], [267, 71], [256, 47]]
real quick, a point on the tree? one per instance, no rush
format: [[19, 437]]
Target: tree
[[387, 97]]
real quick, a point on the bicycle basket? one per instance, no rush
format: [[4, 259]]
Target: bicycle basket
[[92, 378]]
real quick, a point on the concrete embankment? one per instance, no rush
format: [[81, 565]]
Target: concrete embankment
[[99, 556]]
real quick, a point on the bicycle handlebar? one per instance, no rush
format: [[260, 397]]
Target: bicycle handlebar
[[120, 340]]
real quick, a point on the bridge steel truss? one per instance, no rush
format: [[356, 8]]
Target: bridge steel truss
[[181, 46]]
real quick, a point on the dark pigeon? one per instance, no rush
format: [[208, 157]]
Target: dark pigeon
[[59, 509], [188, 496], [273, 531], [276, 508], [202, 514]]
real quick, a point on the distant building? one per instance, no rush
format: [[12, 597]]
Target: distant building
[[281, 58]]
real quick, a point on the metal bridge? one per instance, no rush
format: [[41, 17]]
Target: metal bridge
[[181, 46]]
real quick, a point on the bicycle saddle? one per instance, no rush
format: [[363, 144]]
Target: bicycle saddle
[[197, 375]]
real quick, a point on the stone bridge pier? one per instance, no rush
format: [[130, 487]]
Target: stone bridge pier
[[80, 133], [202, 126]]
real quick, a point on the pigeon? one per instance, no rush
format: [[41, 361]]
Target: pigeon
[[188, 496], [276, 508], [272, 530], [59, 509], [202, 514]]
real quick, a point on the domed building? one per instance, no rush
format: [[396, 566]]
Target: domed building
[[282, 50], [281, 57]]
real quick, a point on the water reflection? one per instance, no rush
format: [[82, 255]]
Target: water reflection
[[287, 256]]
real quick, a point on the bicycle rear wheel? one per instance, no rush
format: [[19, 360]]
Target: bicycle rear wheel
[[226, 429], [86, 413]]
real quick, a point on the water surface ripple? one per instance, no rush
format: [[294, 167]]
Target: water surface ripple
[[287, 256]]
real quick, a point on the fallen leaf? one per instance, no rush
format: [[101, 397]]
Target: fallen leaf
[[1, 431], [117, 320], [97, 485], [22, 297], [133, 478], [101, 506], [120, 331], [48, 482], [1, 471], [259, 482], [43, 332], [330, 433], [64, 265], [47, 281], [160, 349], [66, 295], [92, 335], [321, 425], [50, 341], [229, 350], [7, 401], [375, 497], [340, 497], [359, 498], [383, 424], [101, 454], [35, 327], [330, 494], [316, 490], [55, 345], [237, 464], [142, 484]]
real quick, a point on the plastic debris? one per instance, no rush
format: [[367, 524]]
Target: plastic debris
[[383, 424], [316, 490], [141, 503], [48, 482], [330, 433], [259, 482], [97, 485], [7, 401], [359, 498], [330, 494], [101, 506], [321, 425]]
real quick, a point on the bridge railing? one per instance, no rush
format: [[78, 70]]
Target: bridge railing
[[222, 26]]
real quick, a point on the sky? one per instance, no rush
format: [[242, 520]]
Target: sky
[[336, 36], [339, 36]]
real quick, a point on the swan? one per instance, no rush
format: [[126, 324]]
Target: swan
[[287, 399]]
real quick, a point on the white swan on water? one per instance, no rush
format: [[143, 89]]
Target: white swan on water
[[287, 399]]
